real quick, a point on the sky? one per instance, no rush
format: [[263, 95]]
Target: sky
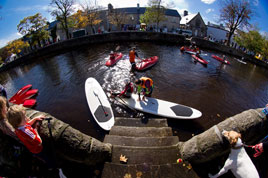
[[13, 11]]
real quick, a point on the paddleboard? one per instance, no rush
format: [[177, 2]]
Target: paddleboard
[[243, 62], [99, 104], [160, 107]]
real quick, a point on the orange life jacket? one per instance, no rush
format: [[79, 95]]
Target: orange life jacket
[[132, 56], [144, 79]]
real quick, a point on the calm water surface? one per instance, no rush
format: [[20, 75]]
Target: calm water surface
[[218, 91]]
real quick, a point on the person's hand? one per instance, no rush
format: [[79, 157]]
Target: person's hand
[[258, 149]]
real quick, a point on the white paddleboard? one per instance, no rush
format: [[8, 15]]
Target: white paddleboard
[[99, 104], [160, 107]]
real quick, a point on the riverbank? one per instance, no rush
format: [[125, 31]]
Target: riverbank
[[56, 48]]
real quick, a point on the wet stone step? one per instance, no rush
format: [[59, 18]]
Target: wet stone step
[[148, 155], [139, 122], [141, 141], [141, 131], [144, 170]]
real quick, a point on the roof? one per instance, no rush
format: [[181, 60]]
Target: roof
[[52, 24], [141, 10], [187, 18]]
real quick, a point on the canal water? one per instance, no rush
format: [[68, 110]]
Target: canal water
[[218, 91]]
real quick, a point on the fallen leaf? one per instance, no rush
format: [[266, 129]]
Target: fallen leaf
[[127, 175], [123, 158], [138, 174], [189, 166]]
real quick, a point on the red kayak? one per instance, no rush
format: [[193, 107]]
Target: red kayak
[[29, 103], [20, 92], [188, 50], [110, 62], [199, 59], [220, 59], [146, 63], [23, 96]]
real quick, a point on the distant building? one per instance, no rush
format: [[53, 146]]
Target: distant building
[[133, 22], [195, 23], [133, 18], [216, 33]]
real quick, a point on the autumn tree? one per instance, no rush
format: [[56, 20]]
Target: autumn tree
[[62, 10], [92, 14], [34, 27], [117, 17], [236, 14], [16, 46], [155, 13]]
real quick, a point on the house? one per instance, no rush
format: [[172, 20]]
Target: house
[[133, 18], [216, 33], [132, 21], [195, 23]]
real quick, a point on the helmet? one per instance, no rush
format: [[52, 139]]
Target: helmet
[[133, 48], [126, 81], [111, 52]]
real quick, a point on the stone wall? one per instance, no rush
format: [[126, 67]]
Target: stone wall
[[68, 143], [98, 38], [205, 44], [55, 48], [211, 144]]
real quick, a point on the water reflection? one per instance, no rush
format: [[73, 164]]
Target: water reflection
[[215, 90]]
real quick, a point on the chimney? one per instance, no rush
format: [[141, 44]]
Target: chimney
[[138, 5], [185, 13]]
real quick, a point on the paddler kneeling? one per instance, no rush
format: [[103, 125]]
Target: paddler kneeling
[[112, 56], [145, 85], [128, 90]]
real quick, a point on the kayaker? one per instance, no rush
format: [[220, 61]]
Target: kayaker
[[145, 85], [112, 55], [128, 90], [132, 54], [3, 91]]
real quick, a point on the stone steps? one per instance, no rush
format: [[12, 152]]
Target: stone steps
[[141, 141], [150, 147], [141, 131], [144, 170], [149, 155], [138, 122]]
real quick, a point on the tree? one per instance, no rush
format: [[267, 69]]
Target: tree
[[252, 40], [16, 46], [34, 27], [63, 9], [92, 14], [235, 14], [155, 13], [117, 17]]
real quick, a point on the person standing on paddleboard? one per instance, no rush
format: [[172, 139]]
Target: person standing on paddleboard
[[132, 54], [145, 85], [128, 90]]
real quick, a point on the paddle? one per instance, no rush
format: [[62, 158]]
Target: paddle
[[61, 175], [117, 48], [96, 94]]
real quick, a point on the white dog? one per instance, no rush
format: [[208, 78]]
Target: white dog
[[238, 161]]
